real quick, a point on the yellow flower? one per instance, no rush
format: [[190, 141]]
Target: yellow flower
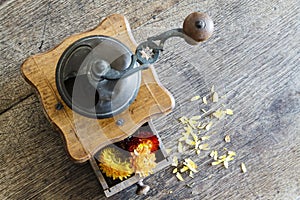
[[142, 160], [113, 165]]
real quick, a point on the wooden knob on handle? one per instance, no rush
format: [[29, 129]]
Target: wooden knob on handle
[[198, 27]]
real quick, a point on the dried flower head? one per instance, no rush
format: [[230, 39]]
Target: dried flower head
[[143, 137], [142, 160], [114, 165]]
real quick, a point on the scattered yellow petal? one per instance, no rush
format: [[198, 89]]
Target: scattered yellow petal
[[197, 144], [215, 97], [222, 158], [192, 124], [231, 153], [243, 167], [218, 114], [180, 147], [168, 150], [198, 151], [188, 129], [190, 142], [201, 125], [204, 146], [227, 138], [195, 98], [183, 169], [182, 139], [216, 162], [197, 117], [208, 126], [175, 170], [175, 161], [190, 164], [191, 174], [225, 164], [212, 88], [206, 137], [204, 100], [229, 112], [195, 137], [214, 154], [178, 175], [183, 119], [190, 185]]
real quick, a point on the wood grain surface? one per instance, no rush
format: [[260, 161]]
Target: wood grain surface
[[253, 58]]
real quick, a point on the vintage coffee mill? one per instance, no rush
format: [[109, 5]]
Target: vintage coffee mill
[[100, 90]]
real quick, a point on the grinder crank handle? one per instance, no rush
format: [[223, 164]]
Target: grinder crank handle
[[197, 27]]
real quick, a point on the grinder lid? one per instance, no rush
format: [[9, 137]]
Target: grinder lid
[[79, 72]]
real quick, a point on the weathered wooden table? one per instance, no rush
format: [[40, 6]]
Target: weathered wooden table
[[253, 58]]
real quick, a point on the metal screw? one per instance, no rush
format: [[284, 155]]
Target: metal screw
[[120, 122], [59, 106]]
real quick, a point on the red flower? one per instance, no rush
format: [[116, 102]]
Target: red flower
[[145, 138]]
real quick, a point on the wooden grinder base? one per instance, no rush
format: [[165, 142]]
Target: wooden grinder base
[[84, 136]]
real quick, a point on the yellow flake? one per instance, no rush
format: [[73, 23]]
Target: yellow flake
[[229, 112], [208, 126], [225, 164], [203, 110], [204, 146], [183, 169], [222, 158], [188, 129], [190, 185], [190, 142], [182, 139], [218, 114], [175, 170], [243, 167], [214, 154], [197, 143], [206, 137], [178, 175], [183, 119], [204, 100], [168, 151], [195, 137], [227, 138], [192, 124], [195, 98], [215, 97], [175, 161], [229, 158], [180, 147], [216, 162], [190, 164], [212, 88], [231, 153], [201, 126], [197, 117], [198, 151]]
